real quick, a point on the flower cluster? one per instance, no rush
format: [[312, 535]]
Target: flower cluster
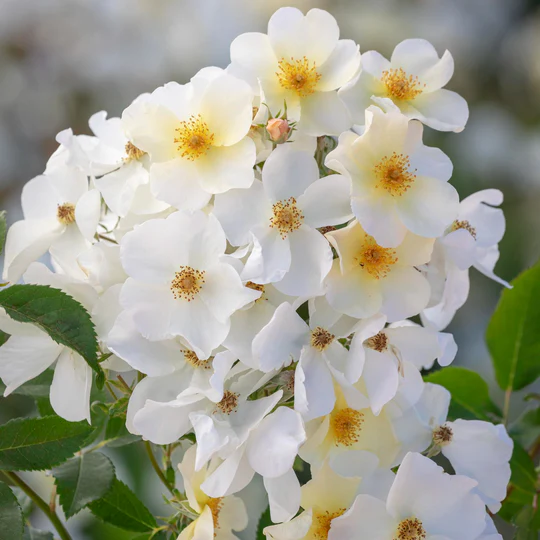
[[251, 247]]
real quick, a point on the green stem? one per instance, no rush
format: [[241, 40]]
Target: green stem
[[40, 503], [506, 409], [156, 466]]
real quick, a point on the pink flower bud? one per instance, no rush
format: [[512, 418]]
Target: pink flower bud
[[278, 129]]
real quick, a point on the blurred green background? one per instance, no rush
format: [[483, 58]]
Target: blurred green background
[[62, 60]]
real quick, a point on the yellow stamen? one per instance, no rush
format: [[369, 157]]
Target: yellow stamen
[[187, 283], [66, 213], [322, 521], [347, 425], [378, 342], [133, 153], [393, 174], [321, 338], [194, 138], [229, 402], [463, 224], [287, 217], [410, 529], [374, 259], [443, 435], [193, 360], [401, 86], [298, 76], [215, 506]]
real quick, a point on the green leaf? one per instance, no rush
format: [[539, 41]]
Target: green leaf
[[11, 516], [58, 314], [82, 480], [122, 508], [513, 335], [3, 230], [30, 444], [34, 534], [526, 429], [38, 387], [523, 472], [264, 522], [470, 394]]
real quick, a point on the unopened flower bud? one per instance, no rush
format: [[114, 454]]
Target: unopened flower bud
[[278, 129]]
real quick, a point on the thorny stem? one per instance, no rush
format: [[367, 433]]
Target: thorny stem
[[156, 466], [40, 503]]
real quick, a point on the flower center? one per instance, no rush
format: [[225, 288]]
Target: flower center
[[187, 283], [287, 217], [393, 174], [298, 76], [133, 153], [378, 342], [410, 529], [347, 425], [321, 338], [194, 138], [215, 506], [374, 259], [66, 213], [463, 224], [401, 86], [322, 522], [193, 360], [229, 402], [443, 435]]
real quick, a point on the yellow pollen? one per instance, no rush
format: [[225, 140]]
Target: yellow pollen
[[401, 86], [410, 529], [378, 342], [374, 259], [322, 521], [229, 402], [133, 153], [321, 338], [347, 425], [194, 138], [66, 213], [393, 174], [443, 435], [193, 360], [463, 224], [287, 217], [298, 76], [187, 283], [215, 506]]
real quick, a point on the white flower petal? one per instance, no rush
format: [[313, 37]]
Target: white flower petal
[[70, 388], [226, 107], [334, 190], [177, 183], [324, 113], [23, 357], [428, 207], [311, 260], [283, 496], [288, 173], [406, 293], [292, 34], [281, 340], [443, 110], [340, 67], [313, 385], [87, 213], [227, 167]]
